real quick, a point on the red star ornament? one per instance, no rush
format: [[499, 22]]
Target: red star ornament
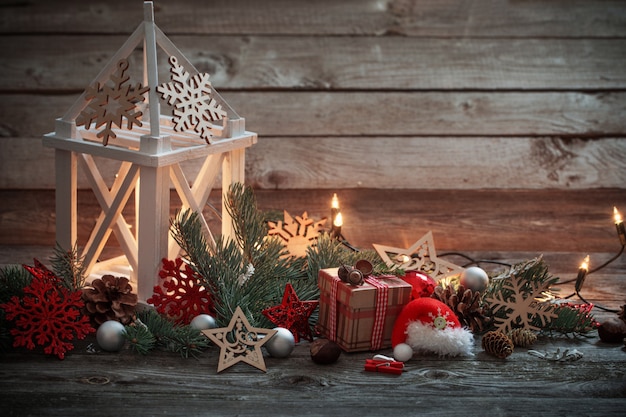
[[293, 314]]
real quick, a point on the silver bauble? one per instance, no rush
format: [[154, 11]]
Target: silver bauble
[[110, 336], [474, 278], [281, 344], [203, 322]]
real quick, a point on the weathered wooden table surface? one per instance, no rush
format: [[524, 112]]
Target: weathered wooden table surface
[[124, 383]]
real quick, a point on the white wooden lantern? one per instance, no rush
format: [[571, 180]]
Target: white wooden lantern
[[151, 148]]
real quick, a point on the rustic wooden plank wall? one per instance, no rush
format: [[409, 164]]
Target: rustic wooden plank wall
[[438, 94]]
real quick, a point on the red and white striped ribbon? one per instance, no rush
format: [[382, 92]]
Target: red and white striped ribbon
[[332, 326], [382, 298]]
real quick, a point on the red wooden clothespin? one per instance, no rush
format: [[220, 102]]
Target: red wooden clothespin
[[384, 365]]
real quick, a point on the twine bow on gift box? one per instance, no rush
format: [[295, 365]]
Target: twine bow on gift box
[[355, 275]]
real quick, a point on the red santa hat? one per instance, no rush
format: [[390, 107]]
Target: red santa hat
[[429, 326]]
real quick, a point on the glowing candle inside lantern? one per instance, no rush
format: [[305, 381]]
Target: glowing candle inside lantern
[[619, 226], [582, 273]]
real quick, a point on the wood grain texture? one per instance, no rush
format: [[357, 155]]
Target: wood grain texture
[[331, 63], [466, 220], [302, 114], [478, 85], [96, 384], [379, 162], [442, 18]]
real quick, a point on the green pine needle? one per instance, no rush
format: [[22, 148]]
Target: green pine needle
[[141, 339], [68, 265]]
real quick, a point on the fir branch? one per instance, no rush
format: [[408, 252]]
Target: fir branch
[[68, 265], [571, 320], [153, 330], [140, 338], [13, 280], [187, 340]]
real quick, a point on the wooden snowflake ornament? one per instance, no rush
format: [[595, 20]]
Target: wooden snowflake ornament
[[240, 342], [297, 233], [108, 104], [421, 256], [194, 108], [519, 302]]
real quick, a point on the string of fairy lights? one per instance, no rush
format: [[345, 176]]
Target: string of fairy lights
[[583, 271]]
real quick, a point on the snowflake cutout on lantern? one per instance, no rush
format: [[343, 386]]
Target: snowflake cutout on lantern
[[108, 104], [293, 314], [440, 321], [48, 315], [421, 256], [191, 97], [522, 308], [297, 234], [181, 296]]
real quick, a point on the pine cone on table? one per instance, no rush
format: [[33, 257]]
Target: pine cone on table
[[466, 305], [497, 344], [110, 298], [522, 337]]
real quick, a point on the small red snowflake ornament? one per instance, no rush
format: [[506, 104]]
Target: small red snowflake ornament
[[180, 296], [292, 314], [48, 314]]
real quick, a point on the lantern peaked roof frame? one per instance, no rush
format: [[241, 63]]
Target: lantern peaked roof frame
[[151, 155]]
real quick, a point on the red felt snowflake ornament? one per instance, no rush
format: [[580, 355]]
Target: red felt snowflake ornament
[[292, 314], [181, 295], [48, 314]]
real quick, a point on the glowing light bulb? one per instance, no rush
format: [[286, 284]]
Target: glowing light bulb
[[338, 222], [617, 216], [334, 202], [619, 226], [585, 264]]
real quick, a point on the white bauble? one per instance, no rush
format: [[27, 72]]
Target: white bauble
[[203, 322], [474, 278], [110, 336], [402, 352], [281, 344]]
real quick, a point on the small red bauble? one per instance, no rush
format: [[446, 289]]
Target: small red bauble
[[423, 285]]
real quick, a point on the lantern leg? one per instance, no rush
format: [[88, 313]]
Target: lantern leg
[[65, 198], [154, 203]]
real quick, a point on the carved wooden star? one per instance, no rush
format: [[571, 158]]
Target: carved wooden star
[[240, 342], [292, 314], [421, 256]]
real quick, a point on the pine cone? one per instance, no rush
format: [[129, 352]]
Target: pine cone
[[497, 344], [110, 298], [466, 305], [522, 337]]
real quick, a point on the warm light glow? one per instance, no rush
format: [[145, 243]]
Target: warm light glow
[[617, 216], [585, 264], [338, 222], [402, 258], [334, 203]]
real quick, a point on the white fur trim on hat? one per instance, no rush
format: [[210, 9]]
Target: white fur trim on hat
[[451, 341]]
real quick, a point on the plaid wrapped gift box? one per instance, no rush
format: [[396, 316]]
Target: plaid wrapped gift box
[[360, 318]]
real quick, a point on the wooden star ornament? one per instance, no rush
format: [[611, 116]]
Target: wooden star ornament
[[240, 342], [421, 256], [292, 314]]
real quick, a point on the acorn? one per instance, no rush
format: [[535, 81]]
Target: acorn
[[612, 330], [324, 351]]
